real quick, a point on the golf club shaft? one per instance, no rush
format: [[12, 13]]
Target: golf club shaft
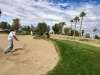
[[21, 42]]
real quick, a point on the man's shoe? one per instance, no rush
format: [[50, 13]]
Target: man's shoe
[[4, 52]]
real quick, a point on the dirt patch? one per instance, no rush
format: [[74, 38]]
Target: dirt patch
[[37, 58]]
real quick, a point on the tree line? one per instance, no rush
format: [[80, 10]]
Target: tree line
[[57, 28], [41, 28]]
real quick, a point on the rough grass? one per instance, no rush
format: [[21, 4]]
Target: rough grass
[[89, 40], [76, 59]]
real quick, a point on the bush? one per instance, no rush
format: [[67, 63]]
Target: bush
[[25, 33], [97, 37], [47, 35]]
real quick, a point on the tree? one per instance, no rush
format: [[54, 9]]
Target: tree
[[67, 31], [39, 30], [0, 12], [87, 35], [71, 23], [70, 28], [76, 19], [76, 33], [60, 26], [32, 28], [26, 28], [16, 25], [48, 29], [57, 28], [97, 37], [8, 26], [82, 32], [82, 14], [3, 25], [94, 30], [42, 28]]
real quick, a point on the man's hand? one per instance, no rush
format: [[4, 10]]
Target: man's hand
[[16, 38]]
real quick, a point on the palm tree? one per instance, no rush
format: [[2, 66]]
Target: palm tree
[[71, 23], [70, 28], [82, 14], [0, 12], [94, 30], [76, 19], [82, 32]]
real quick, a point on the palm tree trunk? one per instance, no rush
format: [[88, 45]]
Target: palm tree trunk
[[94, 35], [70, 31], [71, 26], [74, 30], [80, 27]]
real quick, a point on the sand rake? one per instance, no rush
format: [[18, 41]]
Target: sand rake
[[24, 44]]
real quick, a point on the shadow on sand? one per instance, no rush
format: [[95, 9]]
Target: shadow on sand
[[18, 49]]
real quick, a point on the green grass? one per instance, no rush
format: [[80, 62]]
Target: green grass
[[76, 59]]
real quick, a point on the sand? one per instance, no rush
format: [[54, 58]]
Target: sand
[[36, 58]]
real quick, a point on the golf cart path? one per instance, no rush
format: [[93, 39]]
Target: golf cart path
[[38, 57]]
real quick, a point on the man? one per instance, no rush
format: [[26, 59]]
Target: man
[[31, 33], [10, 41]]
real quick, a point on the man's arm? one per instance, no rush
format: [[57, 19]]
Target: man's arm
[[15, 38]]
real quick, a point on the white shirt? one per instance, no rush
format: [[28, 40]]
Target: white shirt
[[10, 36], [31, 32]]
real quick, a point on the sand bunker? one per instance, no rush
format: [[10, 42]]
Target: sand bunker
[[38, 57]]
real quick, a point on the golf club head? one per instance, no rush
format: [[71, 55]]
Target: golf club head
[[24, 46]]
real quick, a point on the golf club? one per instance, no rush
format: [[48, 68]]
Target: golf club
[[24, 44]]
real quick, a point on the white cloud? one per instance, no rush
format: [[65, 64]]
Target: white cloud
[[32, 12]]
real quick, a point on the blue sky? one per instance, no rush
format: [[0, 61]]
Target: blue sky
[[52, 11]]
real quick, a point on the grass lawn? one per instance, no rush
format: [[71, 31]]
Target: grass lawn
[[76, 59]]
